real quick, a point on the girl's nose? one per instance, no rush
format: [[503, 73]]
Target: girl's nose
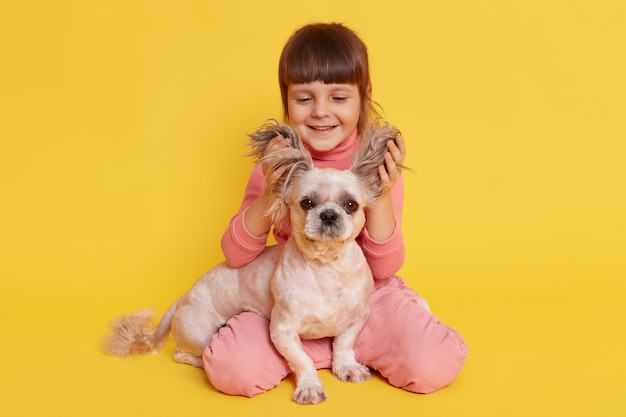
[[320, 109]]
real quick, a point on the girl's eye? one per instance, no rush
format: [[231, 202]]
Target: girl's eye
[[339, 98], [307, 204], [303, 99], [351, 206]]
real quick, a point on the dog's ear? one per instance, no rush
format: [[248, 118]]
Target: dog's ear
[[371, 154], [288, 164], [272, 128]]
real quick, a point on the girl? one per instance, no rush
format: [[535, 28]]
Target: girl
[[326, 95]]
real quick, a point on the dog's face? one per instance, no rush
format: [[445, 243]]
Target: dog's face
[[327, 206]]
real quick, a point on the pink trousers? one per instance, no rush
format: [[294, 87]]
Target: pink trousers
[[401, 339]]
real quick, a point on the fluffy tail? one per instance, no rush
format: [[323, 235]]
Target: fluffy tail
[[137, 333]]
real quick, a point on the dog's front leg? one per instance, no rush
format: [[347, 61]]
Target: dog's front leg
[[308, 385], [345, 365]]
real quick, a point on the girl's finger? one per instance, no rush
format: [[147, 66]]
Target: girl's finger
[[391, 166], [384, 177], [395, 151], [401, 144]]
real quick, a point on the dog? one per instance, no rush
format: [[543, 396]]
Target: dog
[[314, 285]]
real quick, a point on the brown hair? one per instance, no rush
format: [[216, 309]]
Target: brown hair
[[331, 53]]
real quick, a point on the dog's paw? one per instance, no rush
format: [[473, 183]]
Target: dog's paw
[[187, 358], [352, 373], [309, 395]]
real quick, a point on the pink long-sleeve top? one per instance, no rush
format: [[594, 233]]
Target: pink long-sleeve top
[[384, 258]]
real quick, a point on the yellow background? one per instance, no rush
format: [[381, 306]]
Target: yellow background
[[123, 128]]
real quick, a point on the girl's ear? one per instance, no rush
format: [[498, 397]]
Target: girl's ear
[[288, 165], [371, 154]]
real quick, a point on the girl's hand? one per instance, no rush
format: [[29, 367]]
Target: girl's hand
[[394, 158], [381, 220], [277, 143], [255, 220]]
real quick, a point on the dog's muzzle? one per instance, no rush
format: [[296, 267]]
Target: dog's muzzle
[[329, 217], [330, 224]]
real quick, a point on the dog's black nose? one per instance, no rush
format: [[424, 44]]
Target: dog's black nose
[[328, 217]]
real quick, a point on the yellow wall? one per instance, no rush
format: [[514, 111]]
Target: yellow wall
[[123, 128]]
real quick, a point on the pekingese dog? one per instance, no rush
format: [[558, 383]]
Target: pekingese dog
[[315, 285]]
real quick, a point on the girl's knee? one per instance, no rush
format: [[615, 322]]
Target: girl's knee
[[407, 344], [432, 370], [226, 378], [241, 360]]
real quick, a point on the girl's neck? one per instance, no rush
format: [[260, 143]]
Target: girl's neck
[[342, 153]]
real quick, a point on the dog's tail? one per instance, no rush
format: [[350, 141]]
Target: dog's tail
[[137, 333]]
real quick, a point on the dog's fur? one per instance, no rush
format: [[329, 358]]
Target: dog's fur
[[315, 285]]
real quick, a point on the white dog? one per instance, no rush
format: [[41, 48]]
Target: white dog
[[315, 285]]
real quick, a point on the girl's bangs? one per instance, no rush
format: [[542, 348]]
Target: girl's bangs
[[328, 67]]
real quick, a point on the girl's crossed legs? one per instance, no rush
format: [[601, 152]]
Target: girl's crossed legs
[[401, 339]]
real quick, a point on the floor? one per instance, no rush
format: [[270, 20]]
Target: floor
[[540, 355]]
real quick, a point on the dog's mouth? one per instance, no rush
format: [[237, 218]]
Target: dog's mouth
[[327, 226], [325, 239], [326, 233]]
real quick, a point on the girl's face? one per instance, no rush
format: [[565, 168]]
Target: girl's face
[[324, 115]]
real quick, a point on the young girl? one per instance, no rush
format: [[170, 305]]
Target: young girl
[[326, 94]]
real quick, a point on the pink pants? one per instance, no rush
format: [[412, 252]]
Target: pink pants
[[401, 339]]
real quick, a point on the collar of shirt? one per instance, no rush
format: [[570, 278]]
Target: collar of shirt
[[340, 157]]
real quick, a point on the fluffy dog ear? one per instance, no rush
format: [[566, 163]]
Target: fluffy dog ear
[[371, 154], [272, 128], [288, 164]]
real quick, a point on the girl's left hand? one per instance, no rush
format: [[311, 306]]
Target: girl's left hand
[[390, 171]]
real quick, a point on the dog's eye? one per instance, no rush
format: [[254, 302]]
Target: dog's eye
[[307, 204], [351, 206]]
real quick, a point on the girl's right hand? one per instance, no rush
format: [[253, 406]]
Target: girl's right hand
[[278, 142], [255, 220]]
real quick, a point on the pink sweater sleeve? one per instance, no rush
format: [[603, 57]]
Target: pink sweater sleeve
[[386, 258], [238, 244]]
